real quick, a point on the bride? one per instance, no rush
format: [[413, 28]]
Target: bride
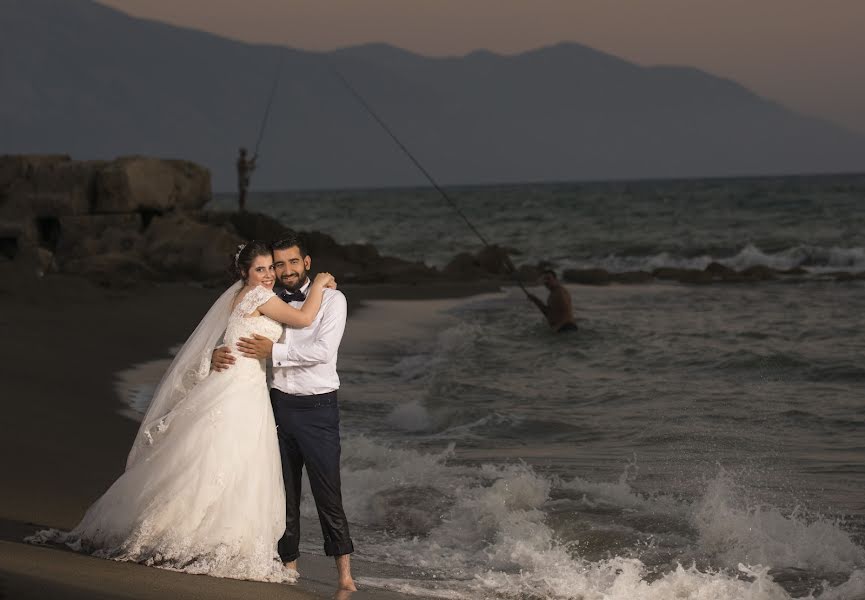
[[202, 491]]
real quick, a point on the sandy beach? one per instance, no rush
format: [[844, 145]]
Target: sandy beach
[[64, 441]]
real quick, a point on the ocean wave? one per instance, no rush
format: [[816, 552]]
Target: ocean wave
[[411, 416], [736, 531], [487, 531], [816, 259], [621, 494], [454, 340]]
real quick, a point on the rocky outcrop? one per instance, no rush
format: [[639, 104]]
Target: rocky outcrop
[[140, 184], [91, 217], [489, 262], [179, 246], [357, 263], [587, 276], [712, 274], [362, 263], [137, 218]]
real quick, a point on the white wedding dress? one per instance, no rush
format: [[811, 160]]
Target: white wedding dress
[[203, 494]]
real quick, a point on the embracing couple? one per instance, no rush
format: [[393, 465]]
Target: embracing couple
[[213, 480]]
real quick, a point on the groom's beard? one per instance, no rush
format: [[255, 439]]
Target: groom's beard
[[291, 284]]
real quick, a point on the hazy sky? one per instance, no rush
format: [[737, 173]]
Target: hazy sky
[[806, 54]]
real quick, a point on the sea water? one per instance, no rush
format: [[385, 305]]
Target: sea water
[[816, 223], [687, 442]]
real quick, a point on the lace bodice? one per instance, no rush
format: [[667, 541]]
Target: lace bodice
[[240, 325]]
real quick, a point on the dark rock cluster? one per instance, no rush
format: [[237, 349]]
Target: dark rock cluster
[[105, 220], [713, 273], [138, 219]]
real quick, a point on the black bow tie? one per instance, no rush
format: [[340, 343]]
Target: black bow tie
[[288, 296]]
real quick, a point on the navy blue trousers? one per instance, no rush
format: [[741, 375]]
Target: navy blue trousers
[[308, 432]]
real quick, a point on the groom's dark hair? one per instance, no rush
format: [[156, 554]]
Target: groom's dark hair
[[288, 240]]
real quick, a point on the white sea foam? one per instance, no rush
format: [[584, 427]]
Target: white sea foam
[[458, 337], [484, 531], [411, 416], [371, 470], [449, 342], [816, 259], [735, 530], [625, 579], [621, 494], [415, 366]]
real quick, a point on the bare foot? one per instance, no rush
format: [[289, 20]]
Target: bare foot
[[343, 567], [342, 595], [292, 565]]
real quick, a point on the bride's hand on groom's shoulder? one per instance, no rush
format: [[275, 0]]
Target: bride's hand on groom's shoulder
[[325, 280]]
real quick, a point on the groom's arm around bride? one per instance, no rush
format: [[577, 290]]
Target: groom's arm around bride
[[305, 351]]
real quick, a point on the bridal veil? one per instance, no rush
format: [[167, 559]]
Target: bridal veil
[[189, 367]]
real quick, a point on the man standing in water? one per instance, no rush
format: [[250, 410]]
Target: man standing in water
[[303, 389], [245, 167], [558, 310]]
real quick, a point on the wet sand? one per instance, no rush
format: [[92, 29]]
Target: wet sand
[[64, 440]]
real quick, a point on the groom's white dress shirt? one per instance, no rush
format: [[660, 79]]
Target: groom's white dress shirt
[[304, 360]]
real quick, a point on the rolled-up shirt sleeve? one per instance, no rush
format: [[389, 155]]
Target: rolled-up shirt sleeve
[[323, 347]]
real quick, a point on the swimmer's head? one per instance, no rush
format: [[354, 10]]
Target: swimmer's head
[[549, 279]]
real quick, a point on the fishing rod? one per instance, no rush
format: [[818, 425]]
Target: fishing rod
[[421, 168], [273, 89]]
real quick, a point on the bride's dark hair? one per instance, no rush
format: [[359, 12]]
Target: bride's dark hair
[[241, 261]]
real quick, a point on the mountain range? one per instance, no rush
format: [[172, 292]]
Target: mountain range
[[79, 78]]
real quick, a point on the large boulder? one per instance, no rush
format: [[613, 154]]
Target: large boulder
[[683, 275], [529, 274], [632, 277], [10, 239], [759, 273], [395, 270], [91, 218], [364, 254], [587, 276], [248, 225], [716, 269], [489, 260], [496, 260], [89, 235], [50, 187], [844, 276], [181, 247], [320, 244], [464, 266], [256, 226], [22, 166], [361, 263], [137, 183]]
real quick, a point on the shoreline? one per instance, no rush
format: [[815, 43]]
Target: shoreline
[[65, 440]]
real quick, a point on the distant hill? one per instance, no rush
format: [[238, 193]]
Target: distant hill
[[80, 78]]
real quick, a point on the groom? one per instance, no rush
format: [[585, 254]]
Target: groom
[[303, 396]]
